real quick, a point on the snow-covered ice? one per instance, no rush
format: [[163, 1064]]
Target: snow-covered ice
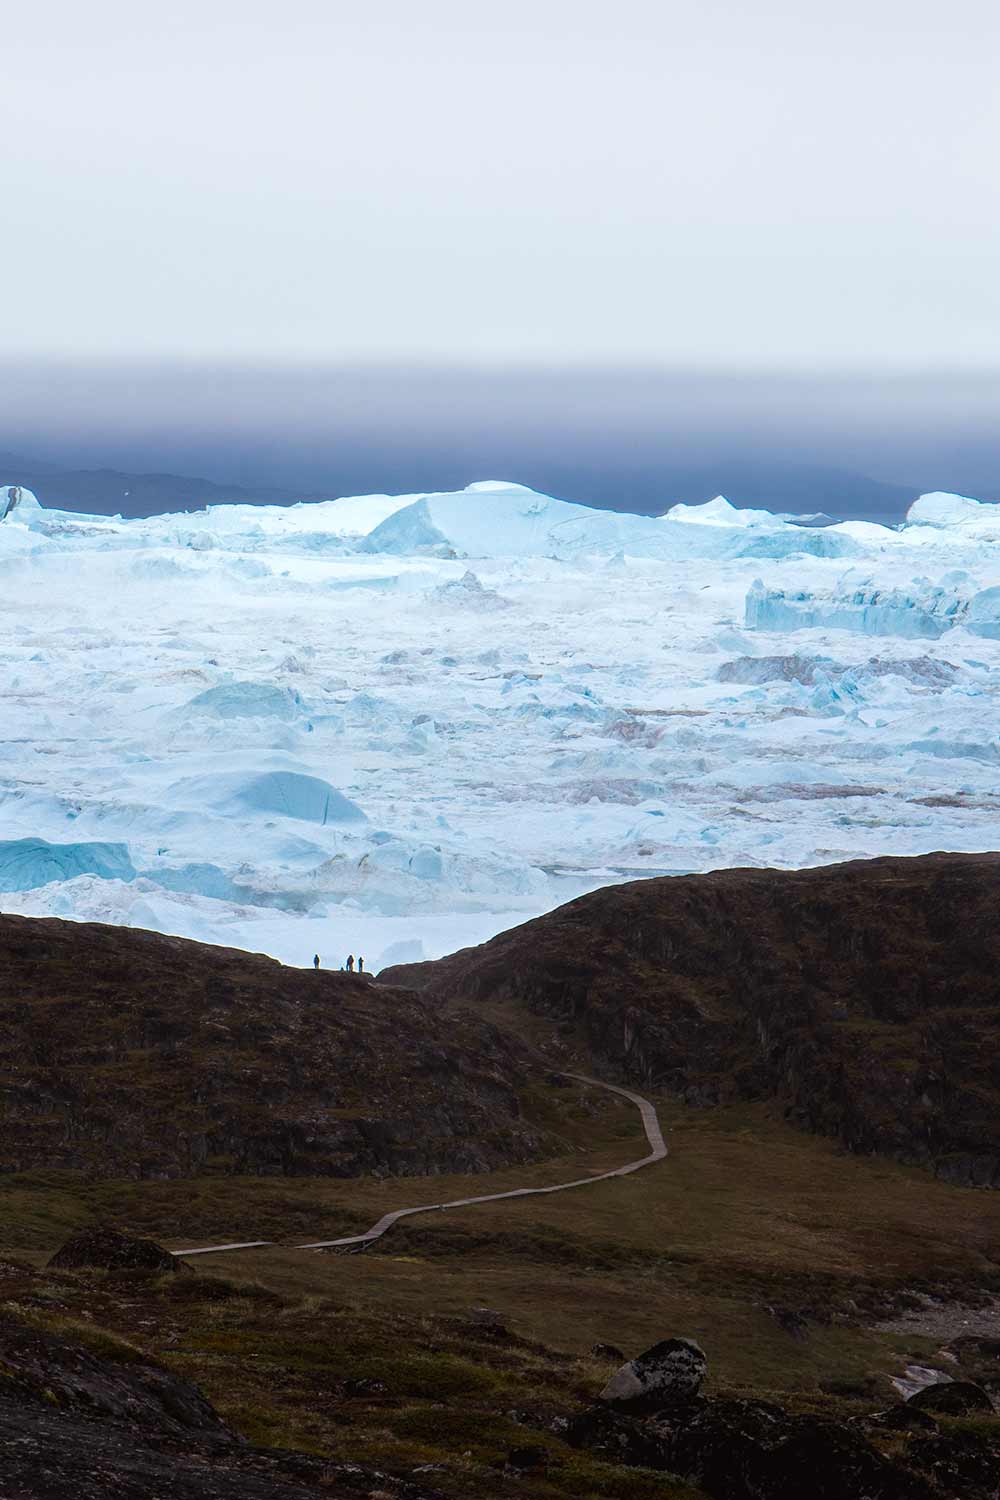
[[395, 725]]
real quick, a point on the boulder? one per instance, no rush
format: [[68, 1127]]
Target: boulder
[[489, 1325], [953, 1398], [819, 1459], [750, 1450], [111, 1250], [669, 1371], [607, 1351], [621, 1439], [900, 1418], [487, 1317]]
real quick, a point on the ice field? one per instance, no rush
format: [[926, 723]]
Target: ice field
[[396, 725]]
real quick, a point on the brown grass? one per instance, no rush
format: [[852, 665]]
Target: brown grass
[[745, 1216]]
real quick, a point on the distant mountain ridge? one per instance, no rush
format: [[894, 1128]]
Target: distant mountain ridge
[[650, 490], [110, 491], [752, 485]]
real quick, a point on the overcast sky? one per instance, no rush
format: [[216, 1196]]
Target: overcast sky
[[715, 182]]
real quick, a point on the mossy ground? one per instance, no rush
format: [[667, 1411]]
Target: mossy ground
[[374, 1356]]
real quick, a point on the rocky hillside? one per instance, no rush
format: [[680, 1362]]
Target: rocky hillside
[[865, 996], [79, 1423], [147, 1056]]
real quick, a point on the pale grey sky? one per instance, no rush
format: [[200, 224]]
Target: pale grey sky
[[779, 183]]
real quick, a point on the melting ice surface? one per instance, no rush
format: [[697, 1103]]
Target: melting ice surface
[[394, 725]]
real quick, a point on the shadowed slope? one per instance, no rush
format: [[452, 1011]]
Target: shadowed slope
[[146, 1056], [866, 996]]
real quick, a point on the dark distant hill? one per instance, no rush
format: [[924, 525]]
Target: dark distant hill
[[113, 492], [794, 489], [863, 996]]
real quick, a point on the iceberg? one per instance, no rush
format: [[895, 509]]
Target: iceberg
[[944, 511], [247, 700], [719, 512], [26, 864], [482, 521], [18, 503], [924, 611], [983, 615], [499, 520], [468, 593], [286, 794]]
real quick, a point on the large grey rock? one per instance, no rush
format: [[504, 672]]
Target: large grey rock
[[671, 1370]]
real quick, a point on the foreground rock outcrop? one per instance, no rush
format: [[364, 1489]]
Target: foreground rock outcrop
[[136, 1055], [864, 996], [76, 1426], [755, 1450]]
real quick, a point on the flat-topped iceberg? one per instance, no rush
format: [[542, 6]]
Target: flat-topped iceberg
[[925, 610], [26, 864]]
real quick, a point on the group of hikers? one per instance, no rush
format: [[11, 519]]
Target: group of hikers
[[348, 967]]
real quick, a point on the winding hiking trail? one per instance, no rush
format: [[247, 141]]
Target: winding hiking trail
[[657, 1151]]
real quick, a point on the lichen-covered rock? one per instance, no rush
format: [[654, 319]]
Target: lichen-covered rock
[[111, 1250], [667, 1372]]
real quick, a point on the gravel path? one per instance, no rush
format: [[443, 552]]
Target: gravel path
[[657, 1151]]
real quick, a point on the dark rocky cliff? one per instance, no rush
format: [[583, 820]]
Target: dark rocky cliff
[[865, 996]]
